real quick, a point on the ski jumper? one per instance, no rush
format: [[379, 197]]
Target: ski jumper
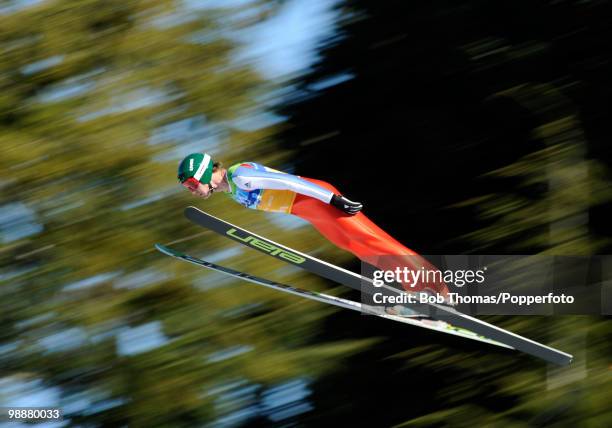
[[258, 187]]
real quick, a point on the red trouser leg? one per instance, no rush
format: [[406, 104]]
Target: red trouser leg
[[360, 236]]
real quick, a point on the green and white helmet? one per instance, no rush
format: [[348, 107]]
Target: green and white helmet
[[198, 166]]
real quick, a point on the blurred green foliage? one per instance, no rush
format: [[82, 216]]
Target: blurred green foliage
[[86, 89]]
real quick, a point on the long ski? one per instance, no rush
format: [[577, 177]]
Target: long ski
[[364, 284], [435, 325]]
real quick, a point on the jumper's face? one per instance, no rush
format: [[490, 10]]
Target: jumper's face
[[217, 179]]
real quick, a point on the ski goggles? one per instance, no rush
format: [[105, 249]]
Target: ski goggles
[[191, 183]]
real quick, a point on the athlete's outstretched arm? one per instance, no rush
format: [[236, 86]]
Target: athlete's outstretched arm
[[249, 179]]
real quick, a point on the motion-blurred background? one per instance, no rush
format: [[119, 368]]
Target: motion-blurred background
[[464, 127]]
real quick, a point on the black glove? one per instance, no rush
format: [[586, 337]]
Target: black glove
[[345, 205]]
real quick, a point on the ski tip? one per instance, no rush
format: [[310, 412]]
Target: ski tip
[[189, 209], [166, 250]]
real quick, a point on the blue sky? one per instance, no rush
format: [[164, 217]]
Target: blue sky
[[287, 42]]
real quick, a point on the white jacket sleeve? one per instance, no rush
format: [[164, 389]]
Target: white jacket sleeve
[[251, 179]]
